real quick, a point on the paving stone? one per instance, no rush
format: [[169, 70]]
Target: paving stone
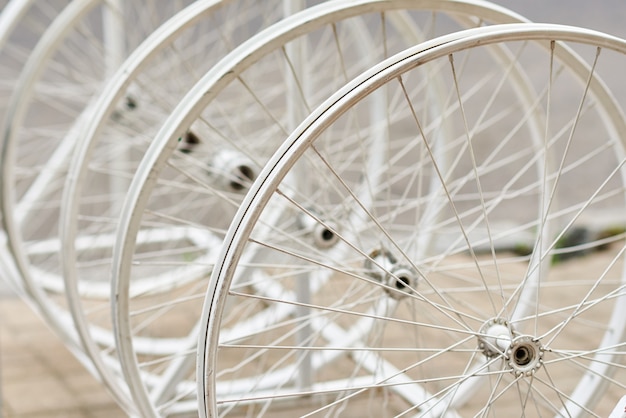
[[39, 376]]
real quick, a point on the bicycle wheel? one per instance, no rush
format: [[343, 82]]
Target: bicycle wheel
[[21, 24], [241, 110], [433, 308], [122, 121], [80, 49]]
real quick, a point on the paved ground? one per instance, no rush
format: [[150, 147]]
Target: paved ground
[[40, 377]]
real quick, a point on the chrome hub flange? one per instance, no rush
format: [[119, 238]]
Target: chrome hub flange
[[495, 337], [399, 280], [525, 355]]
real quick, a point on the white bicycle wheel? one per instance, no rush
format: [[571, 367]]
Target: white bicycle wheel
[[79, 50], [21, 24], [152, 80], [238, 110], [470, 324]]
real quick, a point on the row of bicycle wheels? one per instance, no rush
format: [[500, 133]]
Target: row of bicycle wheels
[[350, 207]]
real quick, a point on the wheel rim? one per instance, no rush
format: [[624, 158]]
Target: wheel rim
[[59, 78], [517, 344], [181, 121]]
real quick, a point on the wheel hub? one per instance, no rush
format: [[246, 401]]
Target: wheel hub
[[321, 232], [495, 337], [525, 355], [399, 279]]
